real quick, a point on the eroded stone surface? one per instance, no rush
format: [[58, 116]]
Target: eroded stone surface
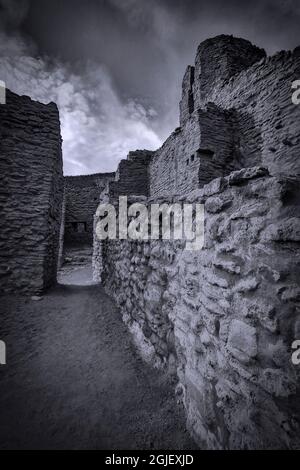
[[31, 194], [220, 320], [81, 202]]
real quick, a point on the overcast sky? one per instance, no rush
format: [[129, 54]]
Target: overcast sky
[[114, 67]]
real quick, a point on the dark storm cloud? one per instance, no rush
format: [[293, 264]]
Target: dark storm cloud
[[123, 61], [13, 12]]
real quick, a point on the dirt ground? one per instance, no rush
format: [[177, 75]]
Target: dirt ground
[[74, 380]]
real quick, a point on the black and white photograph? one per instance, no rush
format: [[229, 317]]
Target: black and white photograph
[[150, 228]]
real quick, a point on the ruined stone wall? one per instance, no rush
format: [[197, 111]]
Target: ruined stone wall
[[234, 95], [266, 119], [163, 168], [81, 201], [220, 59], [132, 175], [193, 155], [222, 320], [82, 193], [187, 104], [62, 232], [30, 195]]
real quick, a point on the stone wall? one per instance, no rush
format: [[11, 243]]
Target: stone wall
[[220, 59], [203, 149], [81, 201], [30, 195], [62, 232], [266, 119], [222, 320], [236, 94], [132, 175]]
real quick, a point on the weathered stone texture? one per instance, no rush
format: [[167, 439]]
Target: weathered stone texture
[[132, 175], [82, 195], [62, 232], [267, 119], [219, 59], [31, 194], [222, 319], [195, 154], [236, 111], [186, 105]]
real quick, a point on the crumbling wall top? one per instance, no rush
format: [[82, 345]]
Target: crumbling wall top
[[220, 58], [83, 181]]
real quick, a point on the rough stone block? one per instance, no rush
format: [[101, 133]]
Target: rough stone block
[[242, 341]]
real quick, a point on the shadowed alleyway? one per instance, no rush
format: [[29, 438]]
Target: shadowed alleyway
[[74, 380]]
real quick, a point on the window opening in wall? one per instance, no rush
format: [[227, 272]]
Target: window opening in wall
[[160, 226], [205, 152], [192, 158], [187, 162], [79, 227], [82, 227]]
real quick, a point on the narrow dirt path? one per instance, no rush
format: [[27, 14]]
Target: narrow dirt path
[[74, 380]]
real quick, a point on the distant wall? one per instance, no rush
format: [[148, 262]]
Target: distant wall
[[81, 201], [132, 175], [31, 193]]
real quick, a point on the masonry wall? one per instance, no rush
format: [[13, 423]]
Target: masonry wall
[[132, 175], [81, 201], [203, 149], [256, 118], [222, 320], [31, 194], [62, 232], [220, 59], [265, 115]]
